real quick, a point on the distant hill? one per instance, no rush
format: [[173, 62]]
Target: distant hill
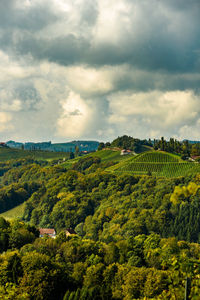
[[192, 142], [7, 153], [57, 147]]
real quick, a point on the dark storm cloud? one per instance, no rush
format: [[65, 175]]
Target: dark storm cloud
[[15, 15], [139, 80], [156, 54], [162, 35], [65, 51]]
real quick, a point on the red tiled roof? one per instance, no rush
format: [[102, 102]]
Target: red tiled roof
[[195, 156], [47, 231]]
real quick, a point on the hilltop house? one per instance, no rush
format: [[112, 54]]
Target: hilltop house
[[125, 152], [47, 231]]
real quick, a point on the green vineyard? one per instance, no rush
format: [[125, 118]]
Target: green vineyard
[[157, 157], [156, 163]]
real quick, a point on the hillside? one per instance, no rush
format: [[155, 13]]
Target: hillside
[[137, 236], [109, 155], [157, 163], [10, 153], [57, 147], [14, 213]]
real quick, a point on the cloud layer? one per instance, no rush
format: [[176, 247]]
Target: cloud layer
[[98, 69]]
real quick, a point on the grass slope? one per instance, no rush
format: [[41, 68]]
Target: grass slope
[[157, 163], [105, 155], [16, 212], [109, 155], [9, 153]]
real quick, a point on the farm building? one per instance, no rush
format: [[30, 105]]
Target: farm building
[[70, 231], [125, 152], [47, 231]]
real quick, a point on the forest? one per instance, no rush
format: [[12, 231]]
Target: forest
[[137, 236]]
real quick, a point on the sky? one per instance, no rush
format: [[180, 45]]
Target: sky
[[98, 69]]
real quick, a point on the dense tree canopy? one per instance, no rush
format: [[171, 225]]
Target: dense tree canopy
[[137, 236]]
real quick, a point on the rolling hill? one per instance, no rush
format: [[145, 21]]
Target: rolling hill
[[157, 163], [109, 155], [10, 153], [105, 156]]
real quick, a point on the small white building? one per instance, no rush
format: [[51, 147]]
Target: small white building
[[125, 152]]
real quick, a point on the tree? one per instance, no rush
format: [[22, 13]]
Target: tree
[[101, 146], [77, 151], [71, 155]]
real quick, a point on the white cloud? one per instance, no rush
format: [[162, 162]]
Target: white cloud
[[90, 81], [5, 124], [75, 118], [14, 106], [155, 112], [190, 132], [113, 21]]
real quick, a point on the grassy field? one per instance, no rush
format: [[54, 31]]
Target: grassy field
[[14, 213], [156, 163], [9, 153]]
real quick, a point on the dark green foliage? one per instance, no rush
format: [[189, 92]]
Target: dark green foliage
[[71, 155], [127, 142], [3, 224], [85, 163], [185, 149], [16, 234], [101, 146], [83, 269], [4, 241], [15, 194]]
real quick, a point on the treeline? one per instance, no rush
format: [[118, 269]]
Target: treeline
[[185, 149], [140, 267], [127, 142]]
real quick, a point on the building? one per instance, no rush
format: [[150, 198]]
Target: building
[[47, 231], [70, 231], [125, 152]]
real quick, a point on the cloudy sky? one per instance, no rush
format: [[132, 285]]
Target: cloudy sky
[[97, 69]]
